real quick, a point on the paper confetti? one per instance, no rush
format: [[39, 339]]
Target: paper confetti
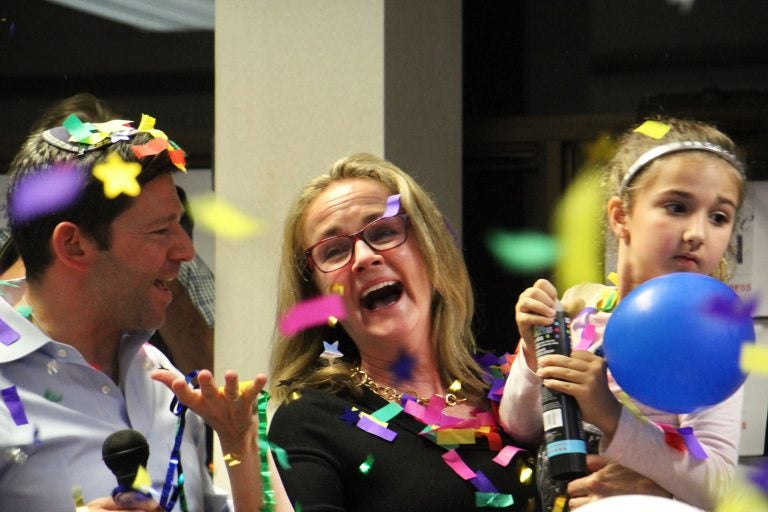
[[754, 358], [505, 456], [523, 252], [375, 428], [13, 403], [331, 351], [403, 366], [118, 176], [152, 147], [311, 313], [8, 336], [47, 192], [453, 459], [221, 218], [142, 482], [653, 129], [365, 467], [393, 206]]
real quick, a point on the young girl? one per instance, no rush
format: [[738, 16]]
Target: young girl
[[675, 188]]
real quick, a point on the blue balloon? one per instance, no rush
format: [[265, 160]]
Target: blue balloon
[[674, 342]]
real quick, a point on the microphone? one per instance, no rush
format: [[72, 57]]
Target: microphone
[[123, 452]]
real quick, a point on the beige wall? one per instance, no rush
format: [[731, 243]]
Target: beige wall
[[300, 84]]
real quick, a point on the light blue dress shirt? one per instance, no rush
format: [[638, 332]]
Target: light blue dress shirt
[[71, 408]]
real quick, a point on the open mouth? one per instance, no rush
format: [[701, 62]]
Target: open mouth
[[382, 295]]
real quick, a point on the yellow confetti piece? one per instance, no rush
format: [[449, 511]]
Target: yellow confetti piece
[[78, 499], [559, 504], [337, 288], [241, 386], [221, 218], [455, 386], [525, 474], [231, 460], [147, 124], [653, 129], [332, 321], [577, 223], [142, 482], [754, 358], [456, 436], [118, 176], [294, 395], [630, 405], [613, 277]]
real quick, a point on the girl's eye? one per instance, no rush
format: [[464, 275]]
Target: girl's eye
[[720, 218], [675, 208]]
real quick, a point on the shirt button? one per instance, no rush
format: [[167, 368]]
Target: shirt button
[[62, 352], [105, 389]]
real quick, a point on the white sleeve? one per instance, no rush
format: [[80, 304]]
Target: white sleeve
[[520, 408]]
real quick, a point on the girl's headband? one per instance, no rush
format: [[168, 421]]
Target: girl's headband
[[674, 147]]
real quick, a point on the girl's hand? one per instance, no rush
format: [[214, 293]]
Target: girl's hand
[[584, 377], [609, 479], [536, 306], [228, 410]]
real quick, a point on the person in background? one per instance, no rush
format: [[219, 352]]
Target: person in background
[[673, 201], [187, 335], [74, 363]]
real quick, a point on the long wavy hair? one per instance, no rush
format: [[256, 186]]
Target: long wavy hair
[[295, 361]]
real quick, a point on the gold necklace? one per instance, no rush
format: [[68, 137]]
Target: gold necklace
[[362, 379]]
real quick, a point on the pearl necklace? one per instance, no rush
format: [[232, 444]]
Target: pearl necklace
[[362, 379]]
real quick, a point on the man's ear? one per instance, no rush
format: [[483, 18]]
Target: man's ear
[[618, 217], [70, 245]]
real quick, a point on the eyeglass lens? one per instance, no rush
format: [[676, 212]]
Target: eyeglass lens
[[381, 234]]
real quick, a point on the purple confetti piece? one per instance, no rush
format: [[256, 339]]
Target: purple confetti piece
[[7, 335], [350, 417], [488, 359], [482, 484], [730, 308], [393, 206], [402, 368], [374, 428], [692, 442], [497, 389], [15, 407], [48, 192], [759, 477]]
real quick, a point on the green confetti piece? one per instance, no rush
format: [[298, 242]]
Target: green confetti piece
[[493, 499], [365, 467], [24, 310], [524, 251], [53, 397]]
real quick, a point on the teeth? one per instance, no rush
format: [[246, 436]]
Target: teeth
[[377, 287]]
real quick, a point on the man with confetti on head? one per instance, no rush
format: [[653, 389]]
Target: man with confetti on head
[[94, 213]]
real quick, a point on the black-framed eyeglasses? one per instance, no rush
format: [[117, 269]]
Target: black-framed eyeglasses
[[382, 234]]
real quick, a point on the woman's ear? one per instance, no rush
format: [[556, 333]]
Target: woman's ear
[[70, 246], [618, 217]]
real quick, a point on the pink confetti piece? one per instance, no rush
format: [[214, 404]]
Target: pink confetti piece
[[433, 414], [15, 407], [587, 337], [453, 459], [415, 409], [312, 312], [7, 335], [505, 456], [370, 426], [44, 193]]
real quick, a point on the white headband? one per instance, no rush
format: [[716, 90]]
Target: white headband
[[674, 147]]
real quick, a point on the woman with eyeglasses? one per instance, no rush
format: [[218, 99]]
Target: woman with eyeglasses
[[401, 420]]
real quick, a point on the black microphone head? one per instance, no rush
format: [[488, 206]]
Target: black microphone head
[[123, 452]]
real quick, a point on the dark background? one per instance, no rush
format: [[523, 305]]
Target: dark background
[[541, 78]]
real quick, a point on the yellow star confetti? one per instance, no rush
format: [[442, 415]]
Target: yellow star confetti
[[119, 176], [653, 129], [221, 218]]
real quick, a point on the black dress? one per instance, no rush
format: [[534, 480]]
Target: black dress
[[407, 474]]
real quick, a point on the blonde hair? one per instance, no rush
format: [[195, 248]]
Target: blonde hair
[[295, 359], [634, 144]]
